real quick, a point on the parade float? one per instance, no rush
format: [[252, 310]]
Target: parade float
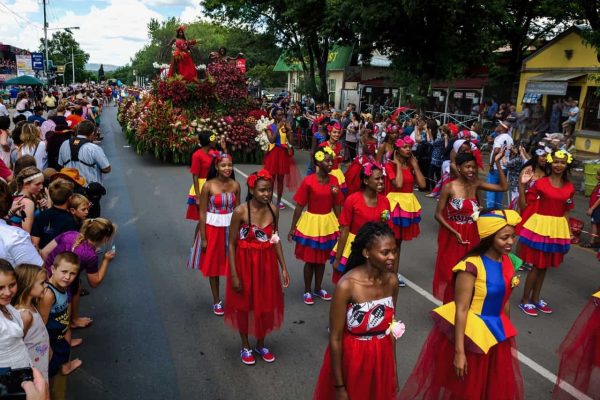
[[167, 118]]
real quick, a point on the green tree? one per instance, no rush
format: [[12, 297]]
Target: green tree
[[123, 74], [60, 46], [266, 75], [101, 76]]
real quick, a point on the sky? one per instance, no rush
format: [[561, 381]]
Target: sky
[[111, 31]]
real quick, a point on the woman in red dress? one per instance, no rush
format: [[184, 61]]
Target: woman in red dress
[[316, 230], [469, 353], [359, 362], [219, 196], [545, 237], [455, 212], [352, 175], [580, 354], [335, 132], [368, 205], [201, 162], [182, 63], [254, 298]]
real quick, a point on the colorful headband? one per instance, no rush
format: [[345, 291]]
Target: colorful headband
[[490, 223], [453, 128], [560, 154], [335, 126], [369, 167], [220, 156], [262, 174], [391, 128], [33, 177], [407, 141], [540, 152]]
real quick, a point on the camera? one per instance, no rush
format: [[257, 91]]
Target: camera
[[10, 382]]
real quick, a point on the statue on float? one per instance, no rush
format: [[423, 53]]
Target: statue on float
[[182, 63]]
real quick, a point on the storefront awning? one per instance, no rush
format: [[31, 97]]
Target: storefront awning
[[551, 83]]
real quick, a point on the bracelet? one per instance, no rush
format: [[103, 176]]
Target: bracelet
[[339, 386]]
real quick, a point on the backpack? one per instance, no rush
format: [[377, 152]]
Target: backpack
[[75, 145]]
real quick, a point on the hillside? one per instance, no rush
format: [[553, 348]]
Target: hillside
[[95, 67]]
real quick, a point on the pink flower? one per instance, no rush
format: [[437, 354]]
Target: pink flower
[[396, 329]]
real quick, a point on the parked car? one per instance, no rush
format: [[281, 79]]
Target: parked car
[[268, 95]]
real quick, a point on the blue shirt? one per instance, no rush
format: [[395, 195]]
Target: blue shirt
[[37, 118]]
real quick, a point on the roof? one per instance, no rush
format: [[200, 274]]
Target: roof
[[462, 83], [339, 58], [377, 60], [557, 76], [578, 29]]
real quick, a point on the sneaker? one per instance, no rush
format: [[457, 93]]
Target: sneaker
[[281, 206], [528, 309], [323, 295], [543, 307], [266, 355], [401, 282], [218, 309], [308, 299], [247, 356]]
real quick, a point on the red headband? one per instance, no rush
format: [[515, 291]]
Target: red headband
[[407, 141], [453, 128], [335, 126], [220, 156], [262, 174], [369, 167]]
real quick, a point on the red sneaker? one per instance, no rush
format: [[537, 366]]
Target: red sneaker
[[266, 355], [323, 295], [528, 309], [247, 356], [218, 309], [308, 299], [543, 307]]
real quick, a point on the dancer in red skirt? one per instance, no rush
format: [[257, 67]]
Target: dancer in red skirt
[[201, 162], [455, 212], [359, 362], [352, 175], [335, 132], [254, 298], [469, 353], [316, 230], [219, 196], [545, 237], [279, 159], [580, 355], [368, 205]]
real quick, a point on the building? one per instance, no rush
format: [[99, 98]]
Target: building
[[566, 67]]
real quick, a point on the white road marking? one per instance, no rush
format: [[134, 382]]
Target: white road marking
[[522, 357]]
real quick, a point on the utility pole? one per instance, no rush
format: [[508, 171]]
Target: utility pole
[[45, 40], [73, 64]]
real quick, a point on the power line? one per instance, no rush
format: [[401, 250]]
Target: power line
[[25, 19]]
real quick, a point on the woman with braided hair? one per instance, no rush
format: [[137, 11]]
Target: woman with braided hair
[[360, 360], [94, 234]]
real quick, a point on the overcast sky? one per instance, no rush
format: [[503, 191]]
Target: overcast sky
[[111, 30]]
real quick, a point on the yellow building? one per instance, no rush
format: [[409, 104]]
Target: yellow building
[[566, 67]]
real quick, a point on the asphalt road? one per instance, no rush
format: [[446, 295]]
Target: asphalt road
[[154, 335]]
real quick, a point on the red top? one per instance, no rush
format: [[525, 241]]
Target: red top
[[337, 148], [73, 120], [320, 197], [595, 195], [553, 201], [200, 164], [408, 179], [5, 172], [356, 213]]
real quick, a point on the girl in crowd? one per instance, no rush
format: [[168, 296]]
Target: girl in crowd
[[536, 168], [30, 182], [31, 283], [201, 162], [79, 207], [352, 131], [219, 196], [33, 145], [360, 360], [580, 353], [335, 131], [402, 172], [385, 152], [545, 237], [13, 352], [368, 150], [254, 298], [94, 234], [456, 212], [316, 230], [469, 352], [368, 205], [279, 160]]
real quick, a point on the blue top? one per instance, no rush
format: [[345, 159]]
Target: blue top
[[58, 320]]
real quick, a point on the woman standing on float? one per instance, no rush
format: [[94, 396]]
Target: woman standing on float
[[455, 212], [368, 205], [182, 63], [469, 353], [279, 160], [316, 230]]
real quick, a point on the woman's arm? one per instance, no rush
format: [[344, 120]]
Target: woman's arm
[[418, 174], [96, 278], [238, 194], [196, 189], [297, 212], [495, 187], [337, 321], [45, 304], [29, 209], [399, 178], [48, 249], [27, 320], [234, 235], [465, 282], [203, 205], [280, 258], [341, 245]]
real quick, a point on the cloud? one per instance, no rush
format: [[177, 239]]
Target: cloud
[[192, 13], [158, 3]]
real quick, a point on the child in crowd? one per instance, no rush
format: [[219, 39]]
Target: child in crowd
[[517, 158], [79, 207], [55, 309], [31, 287], [57, 219], [30, 181]]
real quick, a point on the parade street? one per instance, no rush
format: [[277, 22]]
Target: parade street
[[154, 334]]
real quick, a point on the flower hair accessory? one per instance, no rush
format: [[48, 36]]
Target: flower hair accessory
[[385, 216], [476, 211], [540, 152], [329, 150], [396, 329], [333, 126], [213, 138], [369, 167], [220, 156], [453, 128], [262, 174], [407, 141], [319, 156], [560, 154], [514, 282]]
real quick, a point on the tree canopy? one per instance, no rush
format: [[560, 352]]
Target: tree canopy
[[60, 46]]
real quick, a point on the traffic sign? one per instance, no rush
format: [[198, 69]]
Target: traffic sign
[[37, 61]]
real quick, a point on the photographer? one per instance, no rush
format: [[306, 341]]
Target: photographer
[[81, 153]]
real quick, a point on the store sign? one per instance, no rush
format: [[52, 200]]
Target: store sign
[[458, 95], [24, 66], [551, 88], [470, 95], [37, 61]]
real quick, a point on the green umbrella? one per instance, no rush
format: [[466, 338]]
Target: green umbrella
[[24, 80]]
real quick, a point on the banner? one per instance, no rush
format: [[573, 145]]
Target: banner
[[37, 61], [24, 66], [240, 63]]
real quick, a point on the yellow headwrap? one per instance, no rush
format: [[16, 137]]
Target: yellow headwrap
[[490, 223]]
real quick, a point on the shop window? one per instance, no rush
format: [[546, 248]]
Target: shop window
[[591, 110]]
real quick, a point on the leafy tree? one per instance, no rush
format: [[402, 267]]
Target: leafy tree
[[101, 76], [60, 46], [266, 75], [124, 74]]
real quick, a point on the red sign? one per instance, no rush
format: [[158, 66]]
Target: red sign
[[240, 64]]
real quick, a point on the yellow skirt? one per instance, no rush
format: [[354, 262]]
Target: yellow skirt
[[345, 254], [407, 202], [318, 231], [192, 192], [340, 177]]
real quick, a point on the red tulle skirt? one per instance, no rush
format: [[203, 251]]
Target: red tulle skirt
[[279, 161], [214, 259], [492, 376], [258, 308], [450, 252], [311, 255], [368, 368], [580, 355], [192, 212], [353, 177], [185, 67], [539, 259]]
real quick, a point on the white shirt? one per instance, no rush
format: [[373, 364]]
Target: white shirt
[[89, 153], [16, 246], [40, 154], [13, 352], [3, 111], [501, 140]]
